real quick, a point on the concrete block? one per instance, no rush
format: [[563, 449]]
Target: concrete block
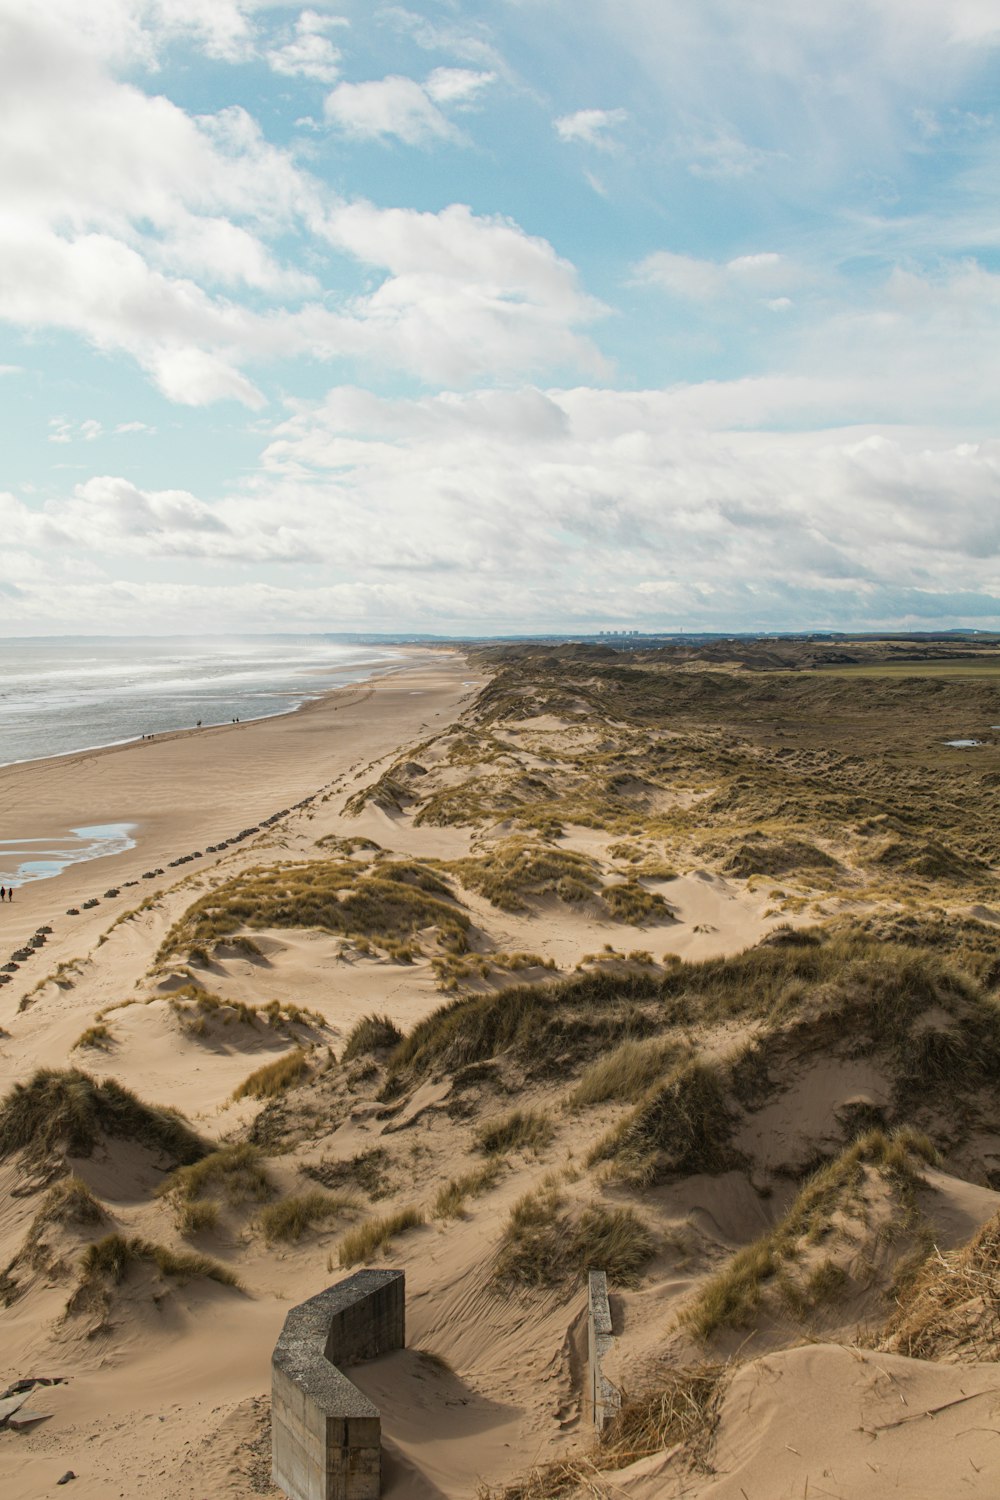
[[326, 1437]]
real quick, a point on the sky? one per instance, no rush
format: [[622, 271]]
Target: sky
[[507, 317]]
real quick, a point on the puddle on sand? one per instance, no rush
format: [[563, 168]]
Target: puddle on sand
[[23, 860]]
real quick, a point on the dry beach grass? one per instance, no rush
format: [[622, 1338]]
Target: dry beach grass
[[722, 1015]]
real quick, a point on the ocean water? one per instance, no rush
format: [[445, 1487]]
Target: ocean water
[[62, 694], [22, 860]]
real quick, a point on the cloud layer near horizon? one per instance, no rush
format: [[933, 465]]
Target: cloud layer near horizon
[[682, 355]]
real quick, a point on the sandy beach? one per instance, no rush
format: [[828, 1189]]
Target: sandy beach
[[194, 787], [392, 848], [176, 1385]]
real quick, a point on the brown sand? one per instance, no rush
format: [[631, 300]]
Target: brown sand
[[165, 1398]]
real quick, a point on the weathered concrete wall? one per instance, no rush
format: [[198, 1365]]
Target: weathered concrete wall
[[605, 1397], [325, 1435]]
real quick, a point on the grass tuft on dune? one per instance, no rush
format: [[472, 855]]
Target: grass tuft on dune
[[517, 868], [521, 1130], [452, 1195], [67, 1110], [544, 1242], [108, 1262], [625, 1073], [683, 1126], [371, 1034], [274, 1078], [950, 1309], [731, 1298], [376, 1234], [236, 1172], [681, 1407], [290, 1218], [386, 900]]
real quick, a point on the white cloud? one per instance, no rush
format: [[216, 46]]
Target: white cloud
[[707, 280], [456, 85], [401, 108], [63, 431], [310, 52], [470, 41], [813, 92], [726, 156], [141, 229], [212, 259], [387, 107], [527, 507], [591, 126]]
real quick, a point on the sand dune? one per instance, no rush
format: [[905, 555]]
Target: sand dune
[[540, 864]]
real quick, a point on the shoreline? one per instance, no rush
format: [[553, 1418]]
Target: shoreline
[[187, 789], [190, 731], [372, 670]]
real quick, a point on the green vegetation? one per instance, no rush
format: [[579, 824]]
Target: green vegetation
[[369, 1170], [389, 793], [289, 1218], [384, 900], [451, 1198], [375, 1234], [988, 666], [519, 867], [626, 1073], [632, 903], [679, 751], [544, 1243], [198, 1217], [537, 1024], [933, 1022], [69, 1201], [69, 1111], [371, 1034], [98, 1035], [109, 1261], [683, 1125], [198, 1010], [275, 1077], [451, 968], [948, 1310], [355, 844], [236, 1172], [521, 1130], [731, 1297], [760, 855]]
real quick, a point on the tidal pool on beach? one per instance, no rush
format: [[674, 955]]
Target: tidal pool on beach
[[24, 860]]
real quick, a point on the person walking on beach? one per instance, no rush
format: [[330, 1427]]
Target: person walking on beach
[[3, 893]]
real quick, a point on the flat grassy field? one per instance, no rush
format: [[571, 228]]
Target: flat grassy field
[[988, 667]]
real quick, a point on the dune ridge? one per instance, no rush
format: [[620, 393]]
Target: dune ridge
[[510, 964]]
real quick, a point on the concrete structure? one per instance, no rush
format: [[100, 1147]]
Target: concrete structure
[[605, 1398], [326, 1437]]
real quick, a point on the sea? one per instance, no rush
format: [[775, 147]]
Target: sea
[[60, 694]]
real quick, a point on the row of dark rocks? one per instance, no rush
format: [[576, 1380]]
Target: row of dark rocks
[[21, 955]]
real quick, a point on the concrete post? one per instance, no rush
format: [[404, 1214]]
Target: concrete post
[[605, 1397]]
